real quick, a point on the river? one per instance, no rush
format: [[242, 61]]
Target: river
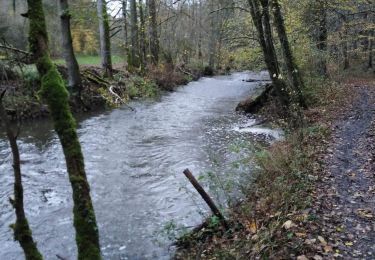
[[134, 163]]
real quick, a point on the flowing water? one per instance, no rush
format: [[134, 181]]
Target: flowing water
[[134, 163]]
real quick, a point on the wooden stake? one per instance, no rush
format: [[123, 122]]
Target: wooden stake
[[206, 197]]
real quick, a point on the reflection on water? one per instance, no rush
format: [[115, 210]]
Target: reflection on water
[[134, 162]]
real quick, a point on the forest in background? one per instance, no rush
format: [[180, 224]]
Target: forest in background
[[132, 49]]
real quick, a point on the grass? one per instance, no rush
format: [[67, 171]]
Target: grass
[[282, 193], [91, 60]]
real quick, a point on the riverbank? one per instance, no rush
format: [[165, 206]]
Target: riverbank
[[22, 101], [297, 207]]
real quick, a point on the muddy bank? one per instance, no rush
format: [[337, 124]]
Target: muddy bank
[[22, 101]]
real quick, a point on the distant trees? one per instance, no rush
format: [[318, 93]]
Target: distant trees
[[56, 95]]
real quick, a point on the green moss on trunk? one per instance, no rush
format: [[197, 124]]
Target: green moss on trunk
[[54, 92]]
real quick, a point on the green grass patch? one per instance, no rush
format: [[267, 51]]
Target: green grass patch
[[91, 60]]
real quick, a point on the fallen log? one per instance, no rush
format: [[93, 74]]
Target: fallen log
[[253, 105]]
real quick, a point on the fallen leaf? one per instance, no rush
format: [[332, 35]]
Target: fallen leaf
[[327, 249], [252, 226], [310, 241], [365, 213], [322, 240], [289, 224], [349, 243], [301, 235]]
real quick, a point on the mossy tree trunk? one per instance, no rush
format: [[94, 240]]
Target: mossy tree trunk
[[291, 66], [56, 95], [105, 41], [22, 231]]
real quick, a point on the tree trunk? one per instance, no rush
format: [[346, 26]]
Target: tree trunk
[[134, 48], [345, 47], [154, 40], [74, 76], [142, 43], [105, 42], [370, 49], [22, 231], [125, 17], [54, 92], [322, 38], [291, 66], [261, 22]]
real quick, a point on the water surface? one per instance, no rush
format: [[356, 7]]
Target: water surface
[[134, 163]]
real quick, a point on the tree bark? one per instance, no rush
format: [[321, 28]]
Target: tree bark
[[105, 42], [125, 24], [134, 48], [142, 32], [212, 39], [260, 19], [370, 49], [56, 95], [154, 39], [74, 76], [291, 66], [322, 37], [22, 231]]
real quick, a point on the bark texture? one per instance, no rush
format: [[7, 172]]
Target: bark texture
[[291, 66], [105, 41], [133, 59], [56, 95], [22, 231], [74, 76], [260, 16], [154, 39]]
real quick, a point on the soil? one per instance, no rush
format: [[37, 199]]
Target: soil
[[345, 201]]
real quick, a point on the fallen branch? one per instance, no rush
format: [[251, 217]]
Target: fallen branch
[[9, 48], [186, 72], [206, 198], [119, 99]]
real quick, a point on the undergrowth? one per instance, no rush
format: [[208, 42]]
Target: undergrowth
[[280, 196]]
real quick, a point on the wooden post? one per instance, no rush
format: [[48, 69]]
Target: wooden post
[[205, 197]]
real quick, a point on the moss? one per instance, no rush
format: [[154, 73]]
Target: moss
[[54, 92], [23, 234]]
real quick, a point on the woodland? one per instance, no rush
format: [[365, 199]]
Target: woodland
[[311, 192]]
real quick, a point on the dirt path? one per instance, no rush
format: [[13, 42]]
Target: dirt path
[[346, 198]]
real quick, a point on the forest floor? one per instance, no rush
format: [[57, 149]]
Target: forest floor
[[345, 197], [310, 201]]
